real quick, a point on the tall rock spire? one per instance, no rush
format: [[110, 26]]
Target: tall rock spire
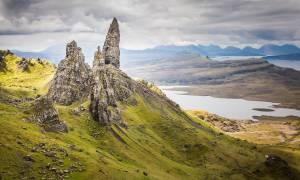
[[111, 50], [71, 80]]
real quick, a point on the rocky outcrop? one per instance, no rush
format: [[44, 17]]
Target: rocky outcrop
[[106, 84], [2, 62], [71, 81], [109, 86], [24, 65], [46, 116], [111, 50], [224, 124]]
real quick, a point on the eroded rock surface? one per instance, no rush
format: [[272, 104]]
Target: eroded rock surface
[[45, 114], [71, 81], [98, 58], [111, 50], [109, 86]]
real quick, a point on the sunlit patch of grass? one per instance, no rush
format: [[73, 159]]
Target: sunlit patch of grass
[[26, 83]]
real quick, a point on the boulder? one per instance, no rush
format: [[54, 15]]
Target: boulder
[[45, 114], [279, 166], [71, 80]]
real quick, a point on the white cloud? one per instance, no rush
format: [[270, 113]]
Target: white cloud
[[149, 23], [81, 27]]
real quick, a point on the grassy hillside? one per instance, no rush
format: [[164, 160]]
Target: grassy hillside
[[159, 142], [15, 82], [274, 134]]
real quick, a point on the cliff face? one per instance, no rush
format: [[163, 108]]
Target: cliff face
[[111, 50], [71, 80], [109, 86]]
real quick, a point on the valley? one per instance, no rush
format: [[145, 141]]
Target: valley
[[252, 79]]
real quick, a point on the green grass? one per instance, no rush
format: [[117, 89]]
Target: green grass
[[160, 141], [26, 84]]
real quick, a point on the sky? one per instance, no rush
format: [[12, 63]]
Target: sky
[[33, 25]]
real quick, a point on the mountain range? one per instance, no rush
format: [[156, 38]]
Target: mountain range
[[56, 53]]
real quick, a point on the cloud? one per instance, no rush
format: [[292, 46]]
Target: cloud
[[146, 23], [81, 27]]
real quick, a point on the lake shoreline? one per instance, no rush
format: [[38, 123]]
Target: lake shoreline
[[225, 92], [231, 108]]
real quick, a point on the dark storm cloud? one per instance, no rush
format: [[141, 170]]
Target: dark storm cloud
[[16, 6], [147, 23]]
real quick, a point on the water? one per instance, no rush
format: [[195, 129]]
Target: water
[[225, 58], [238, 109], [287, 63]]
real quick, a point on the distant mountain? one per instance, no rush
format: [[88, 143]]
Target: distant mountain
[[293, 57], [272, 50], [30, 54], [169, 51], [56, 53]]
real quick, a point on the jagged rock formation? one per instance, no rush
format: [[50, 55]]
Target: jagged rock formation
[[111, 48], [109, 86], [106, 85], [46, 115], [98, 58], [71, 81]]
